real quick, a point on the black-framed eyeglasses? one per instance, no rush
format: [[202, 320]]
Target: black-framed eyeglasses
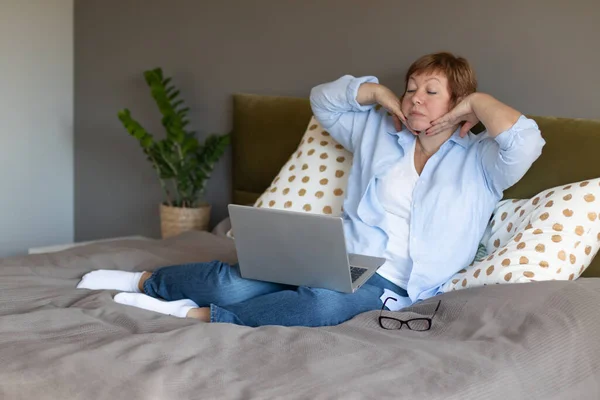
[[414, 324]]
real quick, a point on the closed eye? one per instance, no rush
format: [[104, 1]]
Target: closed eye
[[428, 92]]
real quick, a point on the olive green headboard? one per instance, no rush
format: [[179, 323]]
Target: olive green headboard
[[267, 130]]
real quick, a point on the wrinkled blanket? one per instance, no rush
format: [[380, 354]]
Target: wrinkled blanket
[[533, 340]]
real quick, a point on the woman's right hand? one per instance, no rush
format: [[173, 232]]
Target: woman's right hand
[[371, 93], [392, 104]]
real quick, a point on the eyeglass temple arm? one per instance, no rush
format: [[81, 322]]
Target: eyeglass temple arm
[[437, 308], [386, 300]]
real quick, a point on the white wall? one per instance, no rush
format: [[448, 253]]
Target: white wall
[[36, 124]]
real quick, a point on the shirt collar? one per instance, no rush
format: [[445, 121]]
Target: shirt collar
[[405, 137], [464, 142]]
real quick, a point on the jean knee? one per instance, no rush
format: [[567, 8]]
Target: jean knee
[[331, 308]]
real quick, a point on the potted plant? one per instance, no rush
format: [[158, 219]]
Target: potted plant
[[183, 165]]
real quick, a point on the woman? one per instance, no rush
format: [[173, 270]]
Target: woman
[[421, 191]]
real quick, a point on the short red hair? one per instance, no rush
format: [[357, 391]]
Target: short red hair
[[461, 77]]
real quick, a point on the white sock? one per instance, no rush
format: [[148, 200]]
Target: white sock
[[178, 308], [111, 280]]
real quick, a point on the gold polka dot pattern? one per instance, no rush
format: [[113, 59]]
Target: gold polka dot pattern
[[325, 176], [552, 236]]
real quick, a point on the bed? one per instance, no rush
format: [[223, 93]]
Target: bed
[[535, 340]]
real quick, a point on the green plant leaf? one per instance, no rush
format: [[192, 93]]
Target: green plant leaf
[[182, 163], [146, 142], [189, 145], [173, 95]]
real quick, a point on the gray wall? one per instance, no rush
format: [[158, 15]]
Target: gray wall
[[540, 56], [36, 124]]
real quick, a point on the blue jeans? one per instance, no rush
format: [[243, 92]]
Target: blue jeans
[[248, 302]]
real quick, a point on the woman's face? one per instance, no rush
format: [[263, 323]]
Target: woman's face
[[427, 98]]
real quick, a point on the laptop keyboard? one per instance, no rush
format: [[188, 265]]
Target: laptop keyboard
[[357, 272]]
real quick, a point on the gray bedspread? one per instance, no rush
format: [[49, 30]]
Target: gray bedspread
[[525, 341]]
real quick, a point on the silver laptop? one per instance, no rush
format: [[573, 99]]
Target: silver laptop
[[297, 248]]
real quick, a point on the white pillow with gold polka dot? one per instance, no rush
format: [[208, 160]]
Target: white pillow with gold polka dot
[[508, 215], [553, 236], [314, 179]]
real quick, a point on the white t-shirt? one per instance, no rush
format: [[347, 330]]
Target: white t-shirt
[[395, 192]]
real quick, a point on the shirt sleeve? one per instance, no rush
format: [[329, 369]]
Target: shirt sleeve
[[334, 105], [507, 157]]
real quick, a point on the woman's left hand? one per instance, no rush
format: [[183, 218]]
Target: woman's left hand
[[462, 112]]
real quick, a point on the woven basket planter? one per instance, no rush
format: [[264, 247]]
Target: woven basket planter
[[176, 220]]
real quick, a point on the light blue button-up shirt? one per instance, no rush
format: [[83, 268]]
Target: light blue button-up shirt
[[453, 199]]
